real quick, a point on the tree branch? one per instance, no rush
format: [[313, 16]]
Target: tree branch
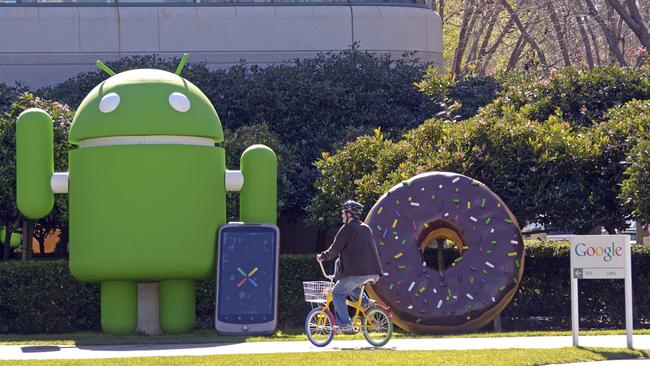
[[613, 45], [633, 19], [524, 33]]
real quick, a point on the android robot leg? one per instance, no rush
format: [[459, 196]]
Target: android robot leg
[[177, 306], [119, 306]]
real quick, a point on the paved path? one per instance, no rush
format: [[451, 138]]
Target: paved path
[[27, 352]]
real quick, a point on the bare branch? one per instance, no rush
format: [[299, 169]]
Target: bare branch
[[585, 41], [525, 34], [462, 36], [559, 34], [613, 45], [632, 18]]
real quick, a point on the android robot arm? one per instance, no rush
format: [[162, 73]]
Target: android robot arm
[[258, 196], [34, 163]]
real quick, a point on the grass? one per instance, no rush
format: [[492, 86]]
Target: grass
[[510, 357], [210, 336]]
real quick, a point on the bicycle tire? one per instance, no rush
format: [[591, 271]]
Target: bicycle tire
[[322, 322], [377, 322]]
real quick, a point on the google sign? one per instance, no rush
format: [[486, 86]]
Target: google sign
[[600, 257], [606, 252]]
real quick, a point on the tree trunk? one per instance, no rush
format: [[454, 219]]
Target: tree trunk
[[441, 10], [28, 243], [516, 54], [462, 36], [611, 41], [488, 23], [525, 34], [25, 240], [41, 246], [632, 17], [441, 254], [7, 246], [487, 56], [472, 32], [559, 33], [594, 40], [585, 42]]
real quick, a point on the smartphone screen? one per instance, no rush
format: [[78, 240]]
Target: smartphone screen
[[247, 274]]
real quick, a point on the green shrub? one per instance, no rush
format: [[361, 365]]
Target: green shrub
[[635, 191], [567, 178], [580, 96], [532, 166], [8, 94], [235, 142], [41, 296], [459, 97]]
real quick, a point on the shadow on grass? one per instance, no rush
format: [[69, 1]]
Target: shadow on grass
[[617, 355], [101, 339]]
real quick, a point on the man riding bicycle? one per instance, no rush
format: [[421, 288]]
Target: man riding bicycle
[[358, 261]]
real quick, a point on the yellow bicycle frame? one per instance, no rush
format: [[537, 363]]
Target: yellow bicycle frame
[[359, 311]]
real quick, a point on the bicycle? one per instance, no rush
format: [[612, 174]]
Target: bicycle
[[375, 321]]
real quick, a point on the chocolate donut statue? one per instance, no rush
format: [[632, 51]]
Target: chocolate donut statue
[[479, 283]]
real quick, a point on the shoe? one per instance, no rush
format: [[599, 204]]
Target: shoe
[[344, 329]]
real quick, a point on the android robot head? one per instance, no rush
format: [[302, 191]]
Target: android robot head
[[144, 102], [146, 189]]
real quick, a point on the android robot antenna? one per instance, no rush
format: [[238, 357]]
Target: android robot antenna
[[182, 63], [105, 68]]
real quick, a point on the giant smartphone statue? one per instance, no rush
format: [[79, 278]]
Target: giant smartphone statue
[[247, 279]]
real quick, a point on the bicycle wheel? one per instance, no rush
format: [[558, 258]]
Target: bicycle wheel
[[319, 327], [377, 327]]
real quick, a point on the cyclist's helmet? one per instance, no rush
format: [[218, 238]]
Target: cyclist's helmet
[[355, 208]]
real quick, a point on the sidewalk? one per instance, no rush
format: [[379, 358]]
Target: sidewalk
[[27, 352]]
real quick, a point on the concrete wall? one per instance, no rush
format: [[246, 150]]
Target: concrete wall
[[42, 45]]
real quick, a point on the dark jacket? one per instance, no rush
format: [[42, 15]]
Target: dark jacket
[[355, 246]]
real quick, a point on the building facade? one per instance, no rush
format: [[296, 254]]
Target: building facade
[[46, 42]]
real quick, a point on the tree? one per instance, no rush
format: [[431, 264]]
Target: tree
[[632, 17]]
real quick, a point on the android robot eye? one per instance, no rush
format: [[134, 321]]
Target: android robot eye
[[179, 102], [109, 102]]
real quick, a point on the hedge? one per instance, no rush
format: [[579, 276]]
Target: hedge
[[42, 297]]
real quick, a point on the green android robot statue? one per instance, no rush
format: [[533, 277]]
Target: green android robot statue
[[147, 190]]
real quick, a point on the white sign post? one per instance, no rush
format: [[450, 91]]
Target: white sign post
[[601, 257]]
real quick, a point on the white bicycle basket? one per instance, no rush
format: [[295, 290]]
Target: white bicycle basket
[[316, 291]]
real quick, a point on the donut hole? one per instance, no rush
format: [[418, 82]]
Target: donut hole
[[440, 246]]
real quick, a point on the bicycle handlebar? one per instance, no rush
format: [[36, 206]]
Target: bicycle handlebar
[[322, 268]]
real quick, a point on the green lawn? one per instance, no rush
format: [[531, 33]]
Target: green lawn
[[512, 357], [210, 336]]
